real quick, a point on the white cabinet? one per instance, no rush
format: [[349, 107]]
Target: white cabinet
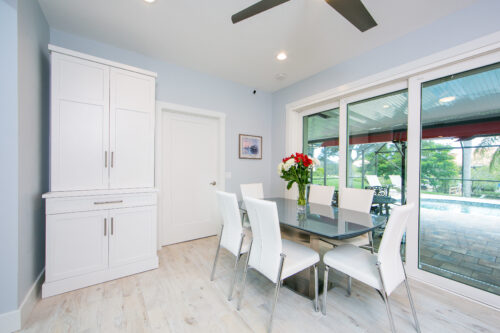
[[101, 215], [131, 130], [132, 235], [79, 124], [102, 127], [77, 244], [96, 238]]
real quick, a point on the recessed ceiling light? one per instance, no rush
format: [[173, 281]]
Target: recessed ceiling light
[[281, 56], [447, 99], [149, 1], [386, 106]]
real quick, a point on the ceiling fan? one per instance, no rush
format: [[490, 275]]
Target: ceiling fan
[[353, 10]]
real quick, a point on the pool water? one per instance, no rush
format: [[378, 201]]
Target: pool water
[[461, 207]]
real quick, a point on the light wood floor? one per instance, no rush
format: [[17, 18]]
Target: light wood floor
[[179, 297]]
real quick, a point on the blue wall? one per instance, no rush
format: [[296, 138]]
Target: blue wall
[[9, 159], [246, 113], [477, 20], [33, 118]]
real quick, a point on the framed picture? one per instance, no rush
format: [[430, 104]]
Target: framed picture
[[250, 147]]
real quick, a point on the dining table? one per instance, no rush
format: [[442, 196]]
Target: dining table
[[313, 227]]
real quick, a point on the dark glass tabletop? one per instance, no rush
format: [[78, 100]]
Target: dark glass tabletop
[[325, 221]]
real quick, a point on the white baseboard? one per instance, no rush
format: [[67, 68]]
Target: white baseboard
[[10, 321], [14, 320]]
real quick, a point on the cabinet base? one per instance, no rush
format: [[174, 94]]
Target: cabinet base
[[77, 282]]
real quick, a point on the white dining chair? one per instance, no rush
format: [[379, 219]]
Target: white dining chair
[[233, 236], [358, 200], [322, 195], [271, 256], [384, 271], [255, 190]]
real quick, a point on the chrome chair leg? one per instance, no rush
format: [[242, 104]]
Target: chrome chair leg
[[216, 255], [370, 238], [316, 291], [245, 270], [236, 262], [276, 292], [412, 305], [325, 288], [349, 284], [386, 300]]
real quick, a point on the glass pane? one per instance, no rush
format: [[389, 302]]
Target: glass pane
[[459, 236], [376, 158], [321, 140]]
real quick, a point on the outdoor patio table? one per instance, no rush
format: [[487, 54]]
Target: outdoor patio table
[[319, 221]]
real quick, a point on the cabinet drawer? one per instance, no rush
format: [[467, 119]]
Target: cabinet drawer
[[98, 202]]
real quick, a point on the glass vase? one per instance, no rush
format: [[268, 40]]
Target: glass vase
[[301, 201]]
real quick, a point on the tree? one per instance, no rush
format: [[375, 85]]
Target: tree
[[437, 163]]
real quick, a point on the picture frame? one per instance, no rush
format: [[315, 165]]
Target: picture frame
[[250, 147]]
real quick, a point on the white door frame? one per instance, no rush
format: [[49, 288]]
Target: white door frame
[[161, 109], [474, 53]]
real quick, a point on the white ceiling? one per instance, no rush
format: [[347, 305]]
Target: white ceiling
[[198, 34]]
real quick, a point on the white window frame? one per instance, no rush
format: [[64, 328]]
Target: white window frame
[[477, 53]]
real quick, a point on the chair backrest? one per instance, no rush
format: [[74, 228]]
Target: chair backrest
[[395, 180], [356, 199], [255, 190], [373, 180], [266, 244], [231, 233], [389, 254], [322, 195]]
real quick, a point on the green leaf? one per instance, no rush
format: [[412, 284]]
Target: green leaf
[[289, 185]]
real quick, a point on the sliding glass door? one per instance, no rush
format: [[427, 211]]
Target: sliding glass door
[[459, 232], [321, 140]]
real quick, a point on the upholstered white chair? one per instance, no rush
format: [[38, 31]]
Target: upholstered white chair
[[255, 190], [384, 271], [357, 200], [233, 236], [321, 195], [360, 201], [271, 256]]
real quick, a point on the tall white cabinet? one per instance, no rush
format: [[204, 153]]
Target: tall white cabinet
[[101, 208]]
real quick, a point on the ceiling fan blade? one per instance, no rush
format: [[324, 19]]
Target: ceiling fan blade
[[255, 9], [355, 12]]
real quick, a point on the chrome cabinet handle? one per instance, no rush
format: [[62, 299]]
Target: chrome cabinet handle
[[105, 159], [107, 202], [105, 226], [213, 183], [112, 158], [112, 226]]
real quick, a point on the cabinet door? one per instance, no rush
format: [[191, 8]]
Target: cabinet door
[[132, 235], [132, 108], [79, 124], [77, 243]]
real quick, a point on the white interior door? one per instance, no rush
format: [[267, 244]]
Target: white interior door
[[190, 164], [132, 98]]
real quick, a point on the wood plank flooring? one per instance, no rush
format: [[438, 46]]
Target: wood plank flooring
[[179, 297]]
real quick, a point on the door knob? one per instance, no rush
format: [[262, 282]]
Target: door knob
[[213, 183]]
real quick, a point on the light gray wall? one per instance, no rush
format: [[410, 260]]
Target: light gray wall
[[475, 21], [246, 113], [33, 117], [8, 157]]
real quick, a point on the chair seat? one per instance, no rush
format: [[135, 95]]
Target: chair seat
[[247, 241], [355, 262], [298, 258], [357, 241]]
